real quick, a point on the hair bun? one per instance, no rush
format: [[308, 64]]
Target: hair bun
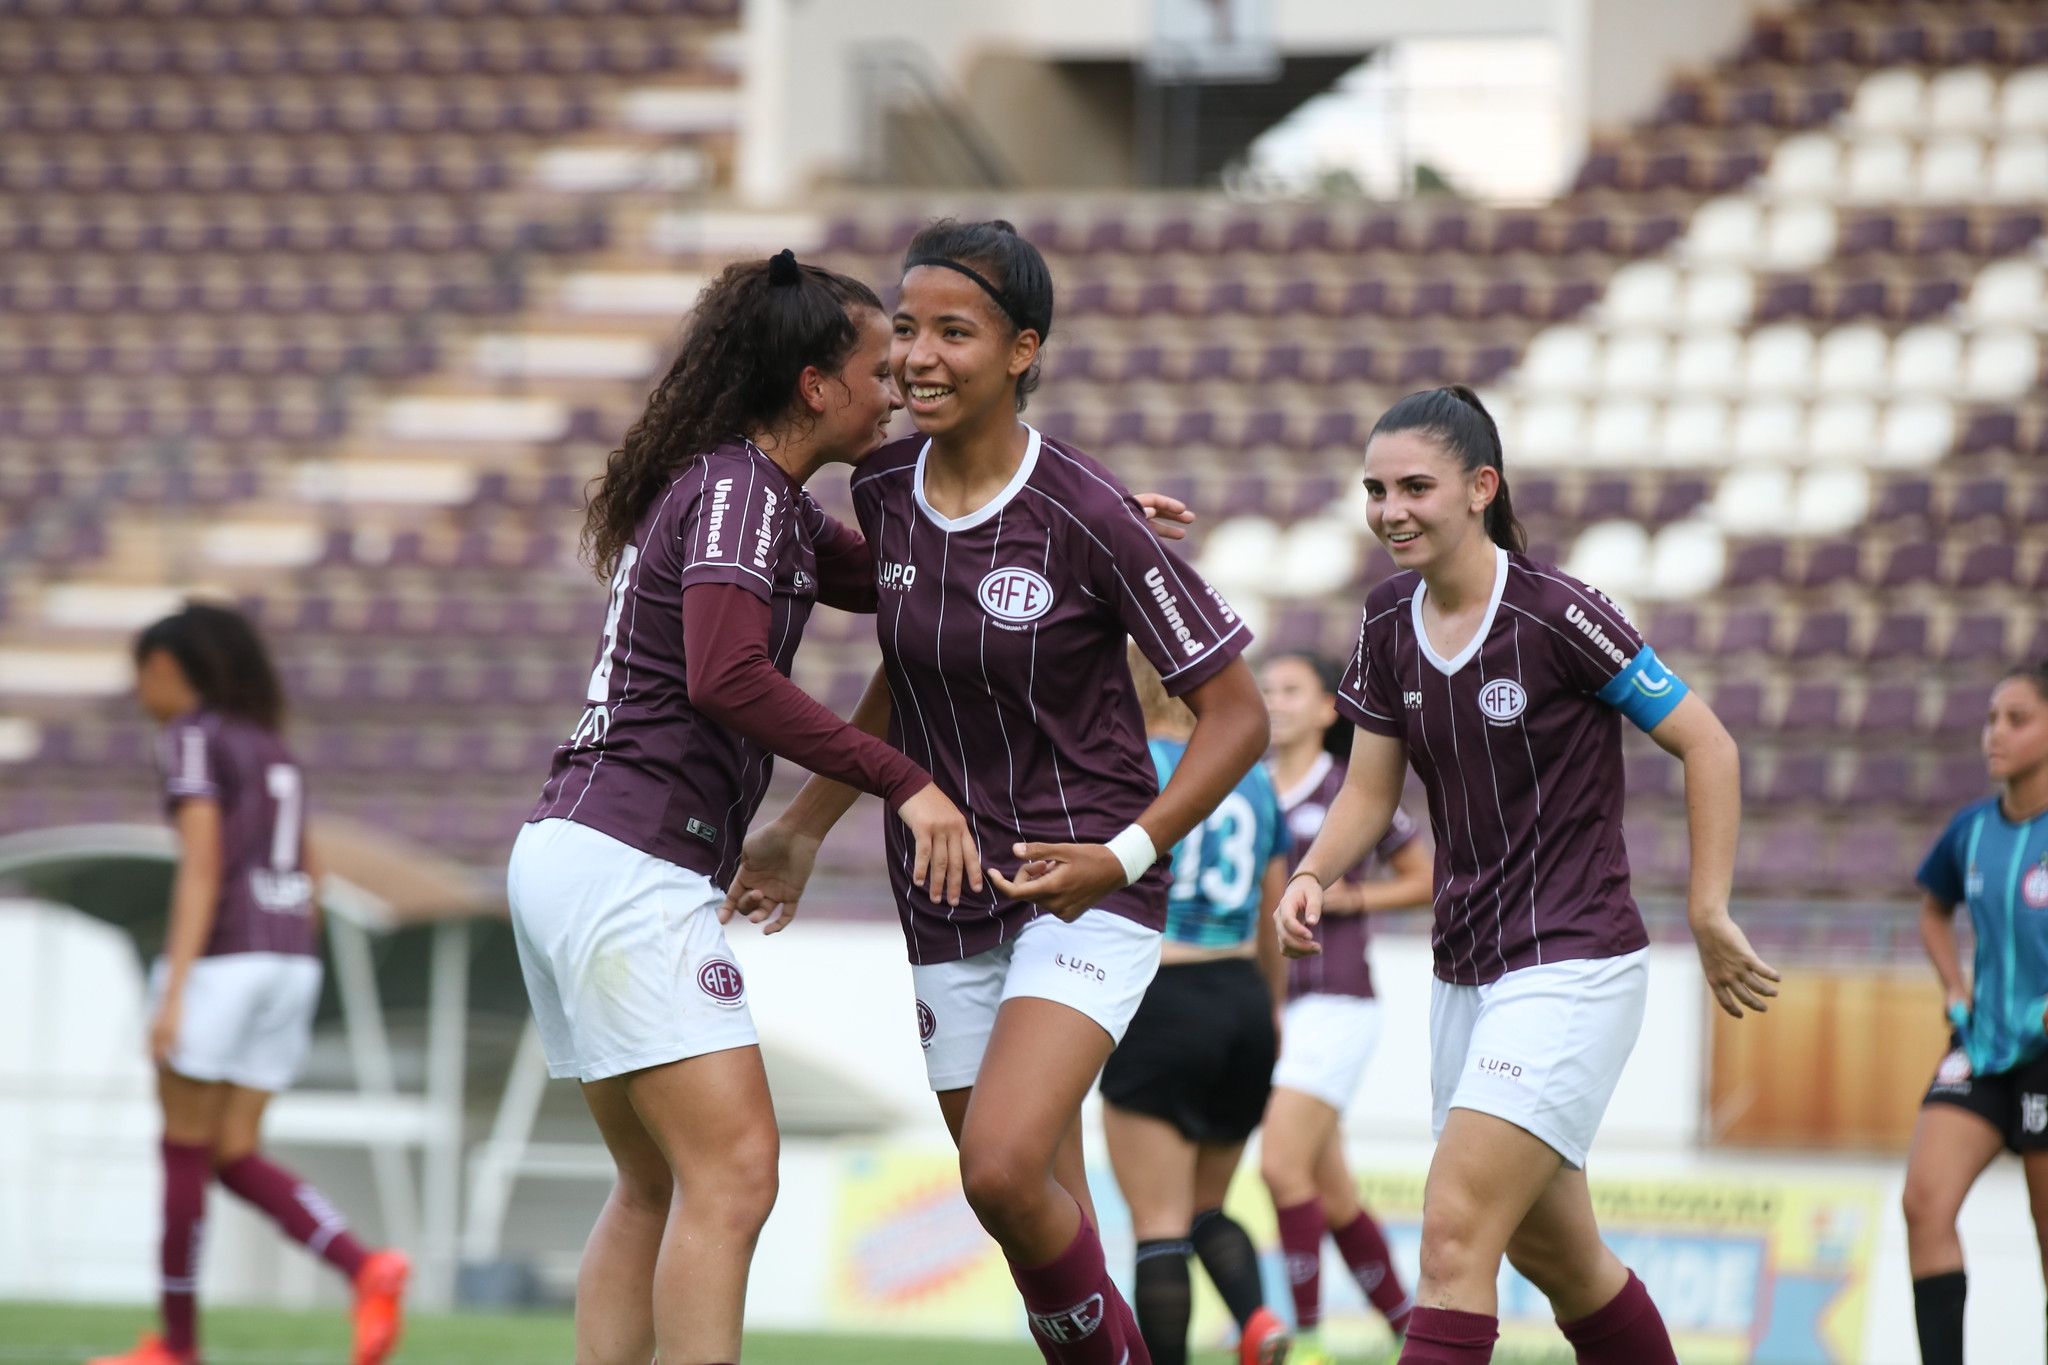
[[783, 269], [1003, 225]]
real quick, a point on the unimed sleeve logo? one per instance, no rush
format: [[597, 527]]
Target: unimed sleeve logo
[[1015, 594], [720, 979]]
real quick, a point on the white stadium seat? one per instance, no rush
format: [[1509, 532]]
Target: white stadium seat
[[1242, 552], [1852, 359], [1880, 170], [475, 419], [1553, 431], [1719, 296], [1708, 362], [1964, 100], [1842, 429], [1800, 235], [1927, 359], [1829, 500], [1636, 362], [1565, 358], [1779, 359], [2006, 292], [2019, 169], [264, 544], [1752, 500], [1642, 294], [1318, 556], [1624, 432], [1610, 555], [1952, 170], [1805, 165], [2023, 102], [1726, 229], [1695, 432], [2003, 363], [564, 355], [414, 483], [1917, 432], [1687, 559], [1770, 429], [1889, 101]]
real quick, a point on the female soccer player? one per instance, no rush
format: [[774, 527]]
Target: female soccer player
[[716, 555], [1186, 1086], [1333, 1021], [1012, 568], [233, 995], [1991, 1091], [1503, 681]]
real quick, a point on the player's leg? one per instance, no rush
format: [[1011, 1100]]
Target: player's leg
[[1601, 1307], [2036, 1166], [1298, 1126], [1155, 1168], [192, 1116], [1951, 1147], [615, 1283], [1360, 1240], [1232, 1262], [714, 1122]]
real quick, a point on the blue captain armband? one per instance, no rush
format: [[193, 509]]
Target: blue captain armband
[[1646, 691]]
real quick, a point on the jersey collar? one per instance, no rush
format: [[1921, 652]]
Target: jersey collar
[[1472, 646], [987, 509], [1303, 789]]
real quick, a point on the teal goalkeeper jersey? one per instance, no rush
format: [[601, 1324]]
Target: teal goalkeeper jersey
[[1220, 868], [2000, 870]]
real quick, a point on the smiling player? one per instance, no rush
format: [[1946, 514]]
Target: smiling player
[[1503, 682], [1012, 569]]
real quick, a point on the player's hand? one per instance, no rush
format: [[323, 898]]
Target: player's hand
[[775, 864], [946, 858], [1169, 518], [1736, 975], [163, 1030], [1957, 1010], [1296, 916], [1067, 879]]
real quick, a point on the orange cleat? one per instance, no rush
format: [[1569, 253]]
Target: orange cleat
[[1265, 1340], [380, 1308], [150, 1350]]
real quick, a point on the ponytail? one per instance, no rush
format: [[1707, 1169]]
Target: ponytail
[[1454, 416]]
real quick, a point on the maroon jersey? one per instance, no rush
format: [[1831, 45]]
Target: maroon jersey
[[644, 765], [1342, 968], [1002, 633], [1522, 762], [266, 898]]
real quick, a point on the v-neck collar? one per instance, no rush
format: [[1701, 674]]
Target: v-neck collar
[[987, 509], [1302, 790], [1472, 646]]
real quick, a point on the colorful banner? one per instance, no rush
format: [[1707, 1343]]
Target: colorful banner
[[1745, 1272]]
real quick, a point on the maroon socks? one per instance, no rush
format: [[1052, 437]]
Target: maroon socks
[[1444, 1336], [1364, 1249], [1077, 1317], [1301, 1248], [296, 1207], [187, 1169], [1628, 1331]]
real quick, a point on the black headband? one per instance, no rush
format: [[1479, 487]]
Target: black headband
[[1002, 300]]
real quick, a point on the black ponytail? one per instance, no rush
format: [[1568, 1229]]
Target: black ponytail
[[1455, 416]]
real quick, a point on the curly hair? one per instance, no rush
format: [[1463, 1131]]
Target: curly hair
[[224, 660], [754, 331]]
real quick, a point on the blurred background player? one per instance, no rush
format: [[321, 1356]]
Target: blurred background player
[[1503, 682], [716, 555], [1014, 568], [1332, 1021], [1188, 1083], [1991, 1091], [234, 993]]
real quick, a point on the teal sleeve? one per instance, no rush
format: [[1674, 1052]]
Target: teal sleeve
[[1941, 872], [1645, 691]]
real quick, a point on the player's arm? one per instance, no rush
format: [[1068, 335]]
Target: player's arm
[[1938, 936], [1694, 735], [195, 899], [1272, 963], [1410, 888], [1357, 820], [1230, 735]]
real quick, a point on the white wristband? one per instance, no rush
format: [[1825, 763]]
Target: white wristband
[[1134, 849]]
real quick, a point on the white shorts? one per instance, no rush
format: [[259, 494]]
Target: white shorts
[[1325, 1043], [1542, 1047], [1100, 965], [625, 961], [245, 1018]]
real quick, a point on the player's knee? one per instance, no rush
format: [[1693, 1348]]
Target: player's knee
[[1454, 1244], [999, 1182], [645, 1189], [1927, 1208]]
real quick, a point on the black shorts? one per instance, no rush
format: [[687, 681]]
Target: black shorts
[[1199, 1053], [2014, 1102]]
